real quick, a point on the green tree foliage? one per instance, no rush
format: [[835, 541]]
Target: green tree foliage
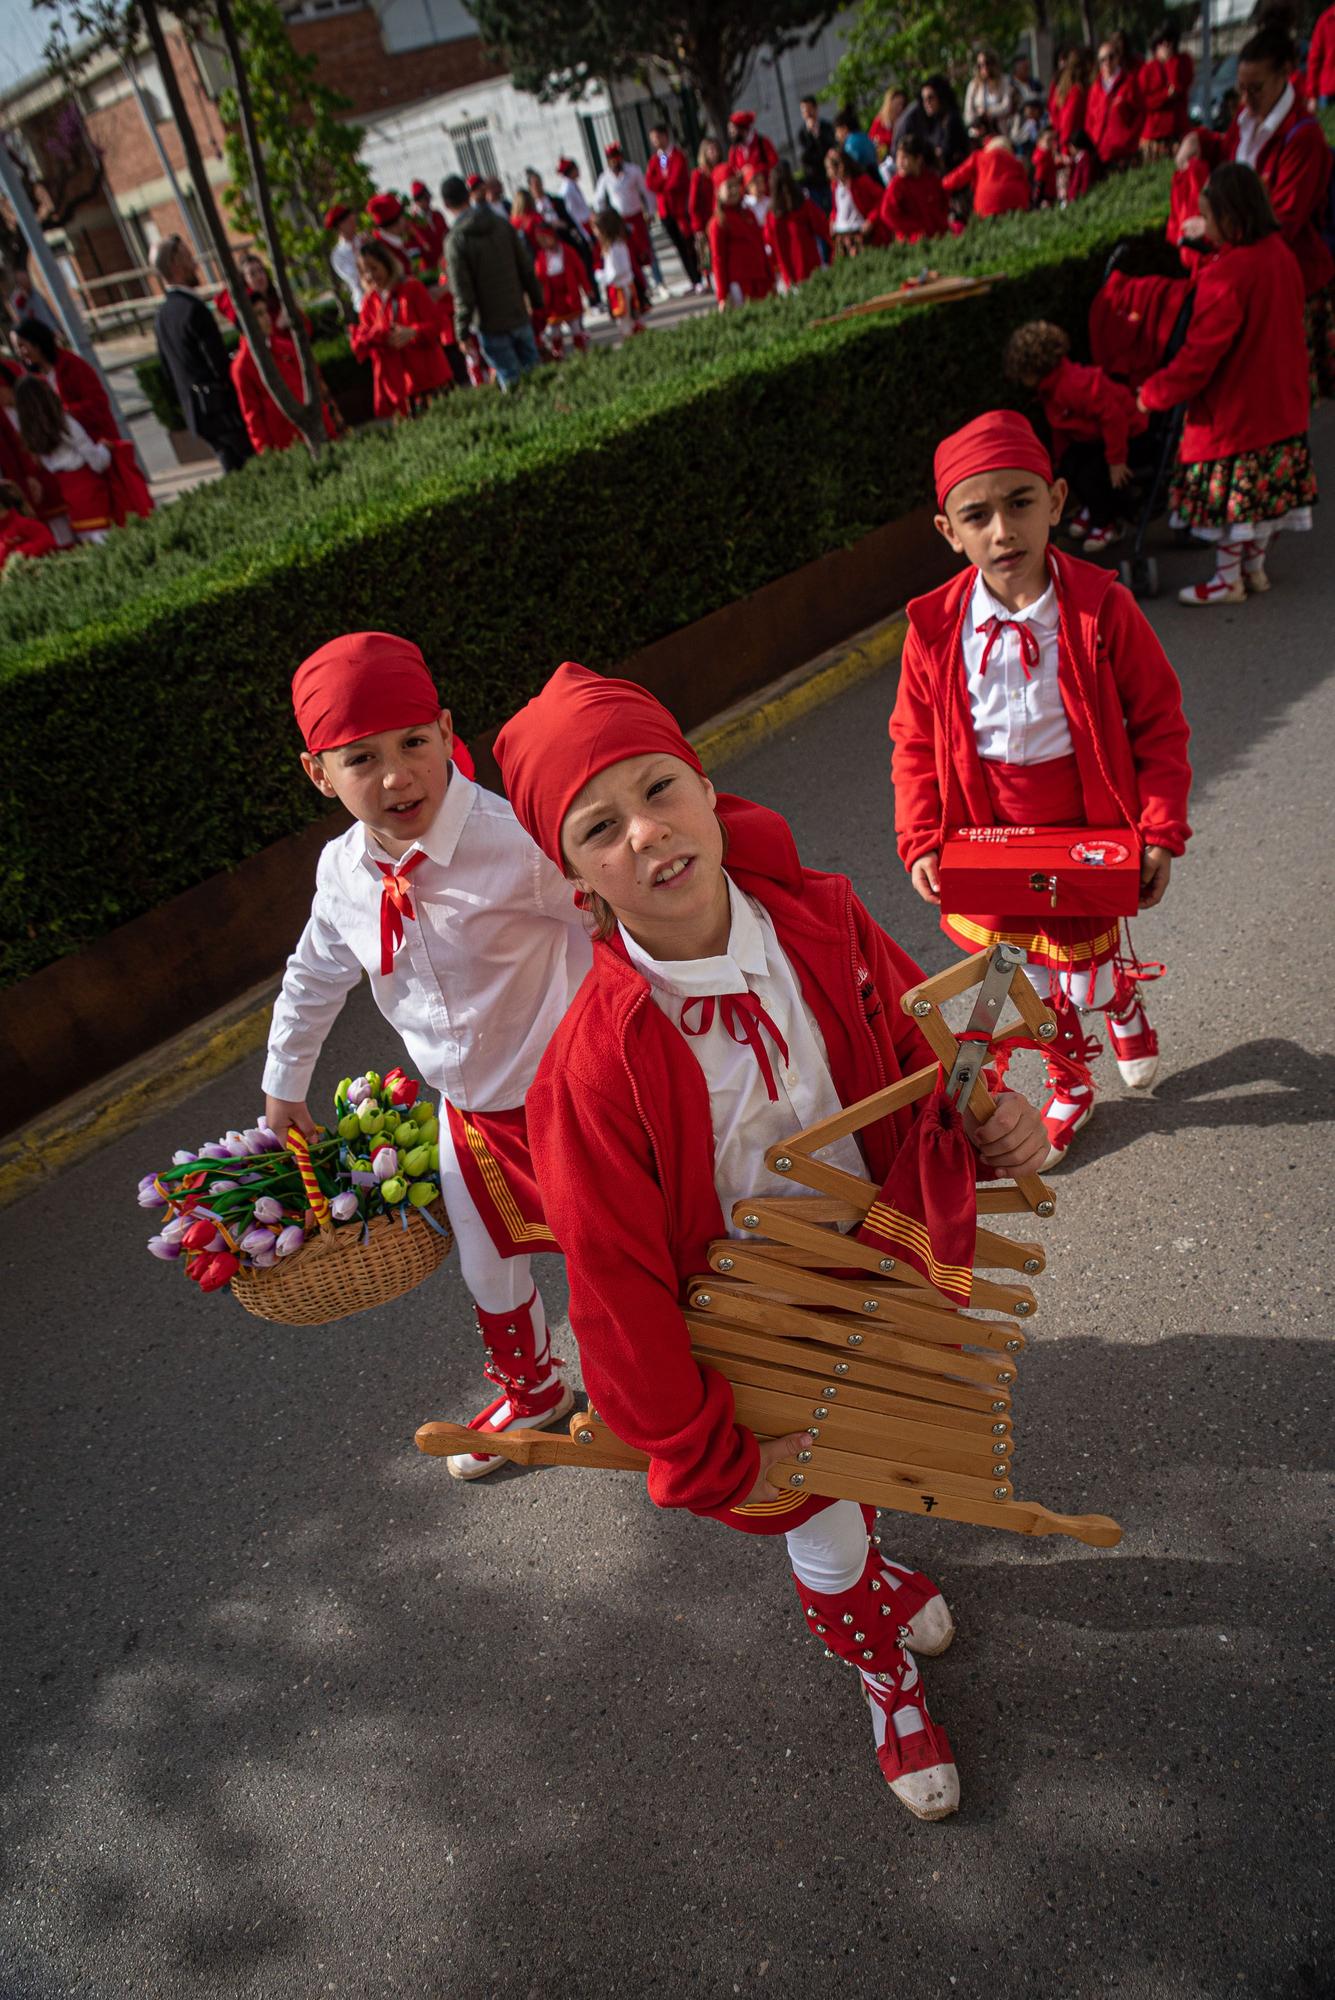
[[558, 49], [310, 155], [901, 41]]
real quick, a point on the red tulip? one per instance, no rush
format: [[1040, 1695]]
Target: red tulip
[[402, 1089], [199, 1235], [219, 1271]]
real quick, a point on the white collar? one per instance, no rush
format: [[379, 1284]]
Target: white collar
[[441, 837], [689, 977], [1255, 132], [1044, 612]]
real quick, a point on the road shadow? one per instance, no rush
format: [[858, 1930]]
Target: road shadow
[[292, 1709]]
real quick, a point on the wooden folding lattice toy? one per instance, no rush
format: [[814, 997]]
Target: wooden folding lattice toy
[[871, 1345]]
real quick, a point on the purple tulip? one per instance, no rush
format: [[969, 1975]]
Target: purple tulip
[[256, 1241], [213, 1151], [268, 1210], [234, 1146], [290, 1240], [173, 1231], [359, 1090], [385, 1163], [149, 1196], [181, 1159], [158, 1246], [221, 1187], [265, 1261], [344, 1206]]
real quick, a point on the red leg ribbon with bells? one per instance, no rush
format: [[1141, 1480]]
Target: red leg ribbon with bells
[[862, 1627]]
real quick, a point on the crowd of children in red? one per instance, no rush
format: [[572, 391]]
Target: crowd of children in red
[[615, 902]]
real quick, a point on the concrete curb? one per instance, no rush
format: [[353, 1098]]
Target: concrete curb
[[118, 1103]]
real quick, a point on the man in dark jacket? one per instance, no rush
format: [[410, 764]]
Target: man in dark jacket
[[814, 141], [493, 282], [191, 349]]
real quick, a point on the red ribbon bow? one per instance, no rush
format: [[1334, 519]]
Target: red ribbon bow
[[993, 628], [396, 903], [743, 1017]]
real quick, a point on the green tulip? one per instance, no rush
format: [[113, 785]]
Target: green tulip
[[422, 1111], [349, 1127], [428, 1132], [341, 1094], [373, 1078], [391, 1120], [417, 1161], [421, 1194], [370, 1118], [394, 1190], [435, 1159]]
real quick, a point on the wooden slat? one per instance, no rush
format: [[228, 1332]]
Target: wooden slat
[[897, 1309], [870, 1384], [1022, 1517], [745, 1305], [845, 1427]]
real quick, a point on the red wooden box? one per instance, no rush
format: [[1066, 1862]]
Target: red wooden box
[[1044, 871]]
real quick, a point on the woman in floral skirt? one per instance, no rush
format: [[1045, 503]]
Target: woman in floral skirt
[[1245, 470]]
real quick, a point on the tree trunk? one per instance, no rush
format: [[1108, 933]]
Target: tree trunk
[[1087, 23], [213, 224], [309, 419]]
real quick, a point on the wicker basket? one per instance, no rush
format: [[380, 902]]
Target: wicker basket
[[345, 1270]]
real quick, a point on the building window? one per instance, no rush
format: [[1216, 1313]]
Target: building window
[[318, 10], [473, 148], [420, 24]]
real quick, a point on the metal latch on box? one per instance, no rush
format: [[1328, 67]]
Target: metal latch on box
[[1043, 884]]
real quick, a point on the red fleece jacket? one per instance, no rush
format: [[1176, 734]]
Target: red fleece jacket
[[618, 1118], [1080, 402], [1123, 705]]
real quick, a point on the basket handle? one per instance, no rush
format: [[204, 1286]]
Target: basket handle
[[315, 1194]]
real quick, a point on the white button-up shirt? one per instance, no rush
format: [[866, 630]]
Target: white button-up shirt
[[1015, 720], [1255, 134], [577, 208], [343, 257], [490, 960], [745, 1121], [626, 192]]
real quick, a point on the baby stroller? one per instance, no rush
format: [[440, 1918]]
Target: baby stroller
[[1136, 324]]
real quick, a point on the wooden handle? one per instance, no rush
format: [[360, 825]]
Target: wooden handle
[[522, 1447], [299, 1146]]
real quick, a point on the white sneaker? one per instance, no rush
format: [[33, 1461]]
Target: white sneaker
[[930, 1630], [1135, 1047]]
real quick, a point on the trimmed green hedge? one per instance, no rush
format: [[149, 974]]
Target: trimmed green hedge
[[614, 499]]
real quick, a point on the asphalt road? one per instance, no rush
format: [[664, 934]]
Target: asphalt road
[[291, 1713]]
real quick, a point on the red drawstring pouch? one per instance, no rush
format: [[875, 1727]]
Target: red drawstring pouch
[[925, 1215]]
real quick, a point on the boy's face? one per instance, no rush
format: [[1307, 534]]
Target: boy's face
[[394, 782], [730, 193], [1001, 522], [643, 836], [906, 164]]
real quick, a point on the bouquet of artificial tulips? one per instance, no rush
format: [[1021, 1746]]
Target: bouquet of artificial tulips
[[245, 1204]]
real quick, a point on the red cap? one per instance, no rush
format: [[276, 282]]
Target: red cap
[[994, 443], [360, 684], [420, 191], [384, 209], [615, 151], [565, 166], [742, 118], [473, 183], [338, 213], [579, 724], [756, 173]]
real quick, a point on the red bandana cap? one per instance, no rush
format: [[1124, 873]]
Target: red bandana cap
[[358, 685], [613, 152], [998, 442], [578, 725], [565, 166], [473, 183], [384, 209], [338, 213], [742, 119], [419, 191]]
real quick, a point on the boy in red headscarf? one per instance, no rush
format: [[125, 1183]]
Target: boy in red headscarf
[[1033, 692], [728, 1006], [473, 948]]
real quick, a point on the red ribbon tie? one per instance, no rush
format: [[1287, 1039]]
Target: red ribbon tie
[[992, 629], [396, 903], [743, 1017]]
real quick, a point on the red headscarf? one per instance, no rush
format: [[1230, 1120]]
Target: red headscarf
[[339, 212], [578, 725], [384, 210], [358, 685], [1000, 441]]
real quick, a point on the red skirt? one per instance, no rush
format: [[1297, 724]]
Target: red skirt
[[1045, 794], [497, 1166]]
